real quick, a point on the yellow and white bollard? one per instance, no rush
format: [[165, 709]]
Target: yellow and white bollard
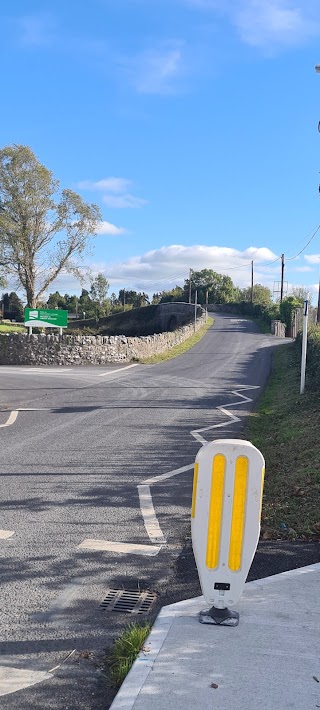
[[225, 523]]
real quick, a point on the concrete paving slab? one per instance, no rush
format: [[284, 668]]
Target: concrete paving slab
[[271, 661]]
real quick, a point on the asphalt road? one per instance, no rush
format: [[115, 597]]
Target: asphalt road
[[83, 440]]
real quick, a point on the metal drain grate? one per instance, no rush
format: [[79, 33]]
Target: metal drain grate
[[128, 601]]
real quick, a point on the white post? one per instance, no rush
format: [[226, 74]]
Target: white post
[[195, 310], [304, 348], [60, 331], [30, 330]]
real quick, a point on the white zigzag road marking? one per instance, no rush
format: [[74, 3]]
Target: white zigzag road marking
[[148, 513]]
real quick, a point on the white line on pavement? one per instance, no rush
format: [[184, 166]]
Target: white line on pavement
[[164, 476], [13, 679], [149, 517], [150, 520], [119, 369], [120, 547], [11, 420], [4, 534]]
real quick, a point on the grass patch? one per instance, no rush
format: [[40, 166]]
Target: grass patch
[[11, 328], [181, 348], [285, 428], [124, 652]]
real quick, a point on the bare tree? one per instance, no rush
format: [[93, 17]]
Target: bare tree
[[42, 231]]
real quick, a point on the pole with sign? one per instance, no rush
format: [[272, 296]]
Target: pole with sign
[[304, 347], [225, 523]]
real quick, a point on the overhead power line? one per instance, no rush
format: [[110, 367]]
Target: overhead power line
[[306, 245]]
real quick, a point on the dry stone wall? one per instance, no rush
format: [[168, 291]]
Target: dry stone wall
[[23, 349]]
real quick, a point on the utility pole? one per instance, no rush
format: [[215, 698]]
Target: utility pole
[[282, 277], [124, 300], [318, 310], [190, 273], [195, 309], [252, 281]]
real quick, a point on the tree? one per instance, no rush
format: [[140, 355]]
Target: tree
[[133, 298], [42, 231], [209, 284], [301, 293], [99, 289], [12, 307], [55, 300], [287, 308], [262, 295], [176, 294]]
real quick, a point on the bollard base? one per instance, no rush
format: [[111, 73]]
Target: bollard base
[[219, 617]]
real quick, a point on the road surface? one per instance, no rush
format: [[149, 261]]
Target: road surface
[[92, 498]]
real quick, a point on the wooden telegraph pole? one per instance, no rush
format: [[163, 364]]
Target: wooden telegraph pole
[[190, 294], [252, 282], [282, 277]]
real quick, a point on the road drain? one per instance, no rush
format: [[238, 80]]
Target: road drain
[[128, 601]]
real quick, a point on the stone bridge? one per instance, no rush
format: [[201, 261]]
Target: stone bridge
[[174, 315]]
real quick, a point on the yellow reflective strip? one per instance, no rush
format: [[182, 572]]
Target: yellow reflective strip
[[194, 491], [238, 513], [262, 484], [215, 511]]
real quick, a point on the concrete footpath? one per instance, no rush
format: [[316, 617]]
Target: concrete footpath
[[271, 661]]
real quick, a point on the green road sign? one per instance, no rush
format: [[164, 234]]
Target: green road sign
[[46, 318]]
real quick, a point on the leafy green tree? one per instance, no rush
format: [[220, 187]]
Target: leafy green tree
[[42, 231], [287, 308], [55, 300], [133, 298], [218, 288], [12, 307], [262, 295], [99, 289], [175, 295], [302, 294]]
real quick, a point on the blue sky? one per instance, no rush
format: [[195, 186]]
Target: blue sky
[[192, 123]]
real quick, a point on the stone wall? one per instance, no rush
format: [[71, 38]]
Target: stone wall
[[23, 349]]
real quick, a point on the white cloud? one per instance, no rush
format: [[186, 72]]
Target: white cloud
[[312, 258], [110, 184], [123, 201], [114, 192], [108, 228], [165, 267], [155, 71], [302, 269], [268, 23]]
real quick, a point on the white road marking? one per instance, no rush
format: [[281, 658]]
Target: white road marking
[[5, 534], [119, 369], [123, 548], [11, 420], [148, 513], [164, 476], [13, 679], [150, 520]]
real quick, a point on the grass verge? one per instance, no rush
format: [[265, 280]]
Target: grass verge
[[124, 652], [285, 428], [11, 328], [181, 348]]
